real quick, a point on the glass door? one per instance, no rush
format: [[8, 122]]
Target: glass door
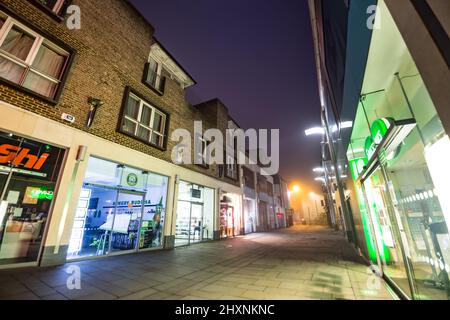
[[182, 231], [126, 221], [389, 244], [196, 222]]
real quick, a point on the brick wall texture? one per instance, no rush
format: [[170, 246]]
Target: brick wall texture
[[111, 49]]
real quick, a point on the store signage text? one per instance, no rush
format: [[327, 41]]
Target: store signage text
[[16, 155], [42, 194]]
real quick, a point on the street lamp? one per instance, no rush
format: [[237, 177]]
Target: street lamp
[[296, 188]]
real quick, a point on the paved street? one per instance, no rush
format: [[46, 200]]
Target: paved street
[[298, 263]]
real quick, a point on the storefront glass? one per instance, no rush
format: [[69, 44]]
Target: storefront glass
[[408, 192], [120, 209], [195, 214], [230, 215], [29, 171], [250, 215]]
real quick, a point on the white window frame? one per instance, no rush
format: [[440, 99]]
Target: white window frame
[[231, 167], [158, 72], [143, 104], [28, 62]]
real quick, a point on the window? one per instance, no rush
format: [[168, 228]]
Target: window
[[143, 121], [55, 6], [29, 60], [231, 167], [201, 154], [153, 77]]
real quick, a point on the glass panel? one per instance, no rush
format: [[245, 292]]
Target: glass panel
[[129, 126], [2, 21], [196, 226], [143, 133], [18, 43], [154, 212], [132, 107], [182, 228], [157, 124], [93, 221], [388, 242], [49, 62], [25, 208], [126, 222], [420, 217], [157, 139], [40, 84], [11, 71], [146, 115]]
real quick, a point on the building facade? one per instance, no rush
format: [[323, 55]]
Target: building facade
[[88, 166], [383, 66]]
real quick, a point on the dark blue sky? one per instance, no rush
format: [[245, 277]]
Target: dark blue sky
[[257, 57]]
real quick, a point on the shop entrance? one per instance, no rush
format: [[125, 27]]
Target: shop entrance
[[195, 214], [388, 230], [189, 227], [29, 172], [108, 220]]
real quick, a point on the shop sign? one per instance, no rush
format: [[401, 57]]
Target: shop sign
[[28, 157], [41, 194], [378, 131], [132, 179], [17, 156]]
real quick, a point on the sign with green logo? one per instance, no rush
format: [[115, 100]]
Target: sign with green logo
[[132, 179], [42, 194], [378, 131]]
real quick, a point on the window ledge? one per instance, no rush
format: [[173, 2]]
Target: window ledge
[[29, 92], [49, 12]]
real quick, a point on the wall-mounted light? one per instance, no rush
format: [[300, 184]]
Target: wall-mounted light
[[94, 104]]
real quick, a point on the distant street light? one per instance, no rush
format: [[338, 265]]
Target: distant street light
[[319, 169], [314, 130], [296, 188]]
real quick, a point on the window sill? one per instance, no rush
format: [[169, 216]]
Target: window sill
[[49, 12], [142, 140], [28, 92], [157, 91]]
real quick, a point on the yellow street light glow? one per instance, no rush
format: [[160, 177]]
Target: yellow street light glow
[[296, 188]]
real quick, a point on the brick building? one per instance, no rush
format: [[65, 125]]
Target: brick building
[[87, 117]]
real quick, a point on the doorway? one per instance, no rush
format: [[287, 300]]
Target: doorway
[[190, 223], [107, 221]]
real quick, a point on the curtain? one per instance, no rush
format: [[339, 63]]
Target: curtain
[[49, 63], [18, 44]]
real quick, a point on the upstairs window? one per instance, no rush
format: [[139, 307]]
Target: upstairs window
[[153, 77], [55, 6], [143, 121], [231, 170], [29, 60]]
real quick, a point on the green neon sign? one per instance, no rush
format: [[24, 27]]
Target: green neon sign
[[378, 131], [41, 194]]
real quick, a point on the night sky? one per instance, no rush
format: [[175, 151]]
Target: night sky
[[255, 56]]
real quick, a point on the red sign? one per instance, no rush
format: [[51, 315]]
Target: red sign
[[16, 155]]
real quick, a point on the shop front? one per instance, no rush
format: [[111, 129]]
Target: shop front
[[195, 214], [230, 215], [398, 157], [29, 173], [120, 209]]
